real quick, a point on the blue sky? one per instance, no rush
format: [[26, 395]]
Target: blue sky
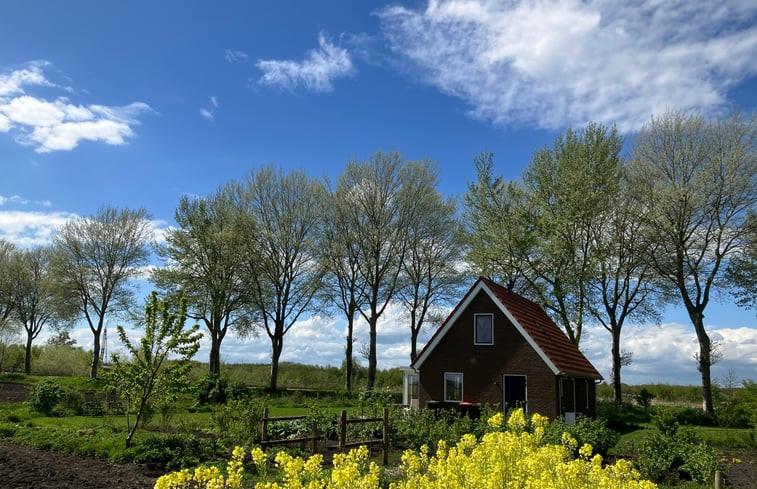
[[138, 103]]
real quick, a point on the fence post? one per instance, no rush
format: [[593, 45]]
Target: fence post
[[264, 428], [343, 431], [385, 440], [718, 479], [314, 434]]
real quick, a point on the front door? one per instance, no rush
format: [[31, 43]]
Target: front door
[[514, 392]]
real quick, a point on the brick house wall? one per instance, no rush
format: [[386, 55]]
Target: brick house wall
[[483, 366]]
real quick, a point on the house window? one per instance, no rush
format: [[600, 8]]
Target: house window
[[411, 389], [484, 329], [453, 386]]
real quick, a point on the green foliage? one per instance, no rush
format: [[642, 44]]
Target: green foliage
[[149, 380], [171, 452], [593, 431], [61, 360], [210, 389], [238, 421], [644, 398], [674, 453], [420, 427], [45, 397]]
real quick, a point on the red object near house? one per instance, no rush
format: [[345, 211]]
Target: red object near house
[[497, 347]]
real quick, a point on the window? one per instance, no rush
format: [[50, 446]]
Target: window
[[453, 387], [412, 387], [484, 329]]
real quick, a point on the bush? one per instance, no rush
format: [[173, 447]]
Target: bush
[[675, 454], [211, 389], [171, 452], [238, 421], [45, 397], [586, 430]]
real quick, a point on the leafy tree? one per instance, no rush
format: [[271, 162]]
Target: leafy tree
[[538, 236], [697, 181], [7, 256], [568, 188], [281, 216], [381, 197], [430, 276], [148, 377], [61, 339], [34, 297], [204, 262], [496, 232], [742, 270], [93, 260]]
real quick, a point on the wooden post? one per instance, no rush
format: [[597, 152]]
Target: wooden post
[[343, 431], [264, 428], [385, 438], [718, 479], [314, 434]]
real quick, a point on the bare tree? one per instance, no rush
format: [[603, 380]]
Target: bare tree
[[697, 180], [93, 261], [280, 217], [204, 262]]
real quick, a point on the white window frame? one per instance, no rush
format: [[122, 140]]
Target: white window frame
[[475, 329], [462, 385]]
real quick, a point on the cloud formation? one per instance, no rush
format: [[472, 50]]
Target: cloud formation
[[237, 57], [59, 124], [557, 63], [316, 72], [28, 229]]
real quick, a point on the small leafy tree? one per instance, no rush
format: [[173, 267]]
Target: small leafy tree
[[149, 378]]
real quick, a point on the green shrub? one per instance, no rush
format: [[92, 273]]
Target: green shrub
[[211, 389], [674, 454], [171, 452], [45, 397], [593, 431], [238, 421]]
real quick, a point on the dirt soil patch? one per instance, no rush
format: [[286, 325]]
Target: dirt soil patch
[[10, 392], [23, 467]]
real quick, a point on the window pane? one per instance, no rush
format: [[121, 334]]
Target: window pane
[[453, 387], [484, 329]]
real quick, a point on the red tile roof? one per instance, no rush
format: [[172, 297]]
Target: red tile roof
[[533, 321]]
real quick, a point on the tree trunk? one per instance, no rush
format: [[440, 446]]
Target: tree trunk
[[413, 343], [348, 355], [95, 355], [372, 354], [616, 365], [277, 344], [215, 354], [28, 359], [705, 360]]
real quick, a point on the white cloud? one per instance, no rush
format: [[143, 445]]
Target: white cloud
[[665, 353], [207, 114], [557, 63], [59, 125], [236, 56], [29, 229], [214, 101], [316, 72]]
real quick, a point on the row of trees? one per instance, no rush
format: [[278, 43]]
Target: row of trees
[[591, 235], [259, 253], [596, 237]]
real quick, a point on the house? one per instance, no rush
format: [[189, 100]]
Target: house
[[497, 347]]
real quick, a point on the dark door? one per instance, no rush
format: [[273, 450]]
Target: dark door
[[514, 391]]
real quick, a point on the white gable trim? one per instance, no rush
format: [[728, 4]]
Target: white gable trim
[[462, 307]]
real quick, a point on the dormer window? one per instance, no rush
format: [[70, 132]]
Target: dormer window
[[483, 329]]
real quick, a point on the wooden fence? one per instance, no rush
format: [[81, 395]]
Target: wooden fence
[[342, 421]]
